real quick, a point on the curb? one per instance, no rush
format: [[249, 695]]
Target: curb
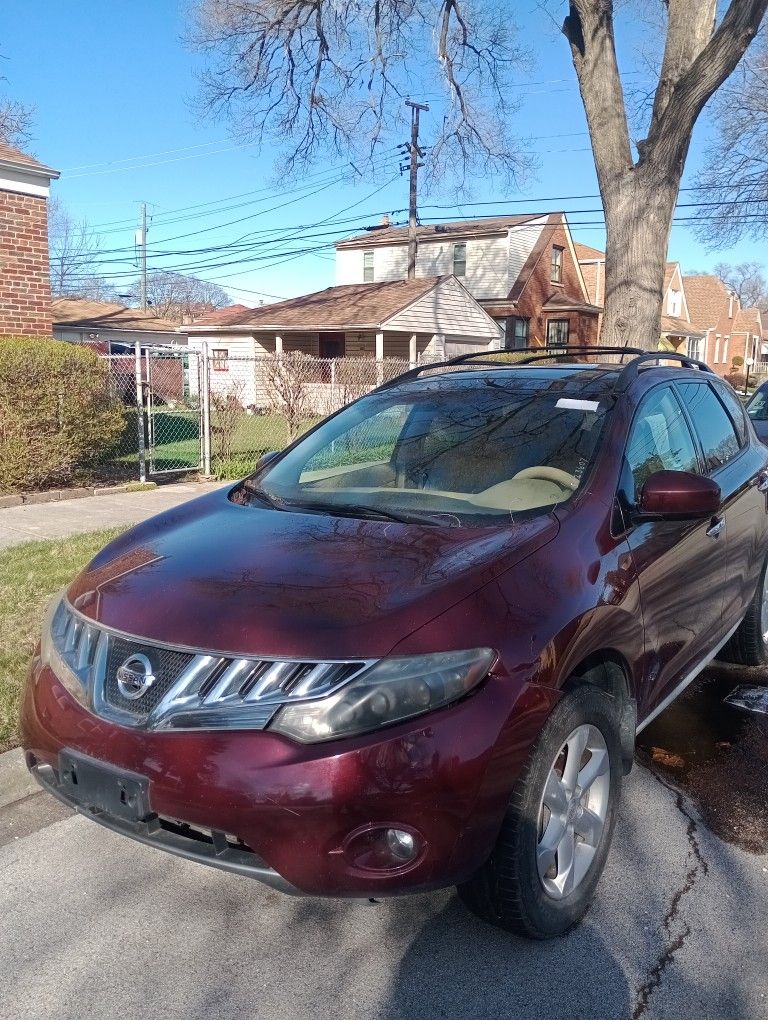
[[57, 495], [16, 783]]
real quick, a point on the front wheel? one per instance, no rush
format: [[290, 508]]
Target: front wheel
[[555, 837]]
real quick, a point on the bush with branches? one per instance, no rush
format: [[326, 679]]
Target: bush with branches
[[58, 415], [226, 412]]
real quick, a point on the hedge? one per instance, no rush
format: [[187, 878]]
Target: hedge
[[58, 417]]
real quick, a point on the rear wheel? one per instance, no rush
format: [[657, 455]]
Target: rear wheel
[[749, 645], [553, 843]]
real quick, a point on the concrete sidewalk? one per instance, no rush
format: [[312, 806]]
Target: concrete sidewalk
[[75, 516]]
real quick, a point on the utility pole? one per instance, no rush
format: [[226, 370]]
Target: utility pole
[[415, 154], [141, 240]]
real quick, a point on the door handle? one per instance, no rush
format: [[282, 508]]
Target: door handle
[[762, 481], [717, 525]]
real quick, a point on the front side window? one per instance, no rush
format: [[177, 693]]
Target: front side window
[[367, 267], [556, 271], [659, 440], [735, 409], [460, 259], [714, 427], [220, 359], [557, 333], [472, 454], [516, 333]]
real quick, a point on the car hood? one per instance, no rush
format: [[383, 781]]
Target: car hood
[[215, 575]]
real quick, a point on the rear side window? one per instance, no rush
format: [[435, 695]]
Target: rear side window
[[715, 429], [660, 440], [734, 407]]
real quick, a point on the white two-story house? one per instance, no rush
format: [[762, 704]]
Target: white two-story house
[[522, 269]]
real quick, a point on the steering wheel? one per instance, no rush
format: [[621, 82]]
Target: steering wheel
[[550, 474]]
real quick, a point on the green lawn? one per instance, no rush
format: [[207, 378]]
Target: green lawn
[[29, 574]]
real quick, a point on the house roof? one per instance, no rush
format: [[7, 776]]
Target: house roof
[[219, 315], [748, 320], [562, 303], [669, 272], [706, 296], [11, 156], [458, 228], [678, 327], [105, 315], [586, 254], [347, 306]]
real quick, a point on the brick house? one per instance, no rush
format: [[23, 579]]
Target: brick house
[[25, 287], [713, 309], [521, 269]]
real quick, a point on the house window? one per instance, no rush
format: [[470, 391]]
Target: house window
[[556, 274], [220, 359], [716, 358], [675, 303], [695, 347], [516, 333], [725, 350], [557, 333], [460, 260], [367, 267]]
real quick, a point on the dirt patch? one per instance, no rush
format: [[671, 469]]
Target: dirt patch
[[718, 754]]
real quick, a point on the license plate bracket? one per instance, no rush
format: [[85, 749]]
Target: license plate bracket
[[100, 788]]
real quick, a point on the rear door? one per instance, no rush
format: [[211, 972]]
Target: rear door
[[680, 564], [718, 420]]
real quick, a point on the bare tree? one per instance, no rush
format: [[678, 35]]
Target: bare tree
[[15, 122], [288, 377], [74, 255], [733, 186], [332, 74], [180, 298], [747, 281]]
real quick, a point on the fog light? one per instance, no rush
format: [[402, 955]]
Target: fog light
[[402, 845]]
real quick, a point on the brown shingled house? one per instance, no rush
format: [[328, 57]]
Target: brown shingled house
[[410, 320], [730, 331]]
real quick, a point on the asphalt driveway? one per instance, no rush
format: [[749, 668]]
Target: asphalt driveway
[[93, 926]]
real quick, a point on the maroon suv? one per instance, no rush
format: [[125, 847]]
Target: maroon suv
[[414, 648]]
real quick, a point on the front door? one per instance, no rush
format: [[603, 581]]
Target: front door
[[680, 565]]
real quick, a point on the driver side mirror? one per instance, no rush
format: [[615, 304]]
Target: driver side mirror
[[679, 494]]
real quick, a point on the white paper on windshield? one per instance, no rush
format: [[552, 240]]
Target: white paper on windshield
[[569, 404]]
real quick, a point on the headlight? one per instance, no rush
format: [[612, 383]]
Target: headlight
[[394, 689], [54, 653]]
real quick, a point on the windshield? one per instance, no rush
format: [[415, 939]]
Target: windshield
[[459, 454]]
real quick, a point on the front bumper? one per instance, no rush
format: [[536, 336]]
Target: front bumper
[[261, 805]]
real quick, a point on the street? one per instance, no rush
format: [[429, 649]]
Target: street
[[94, 926]]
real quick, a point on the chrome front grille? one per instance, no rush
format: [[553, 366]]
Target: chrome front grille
[[191, 689]]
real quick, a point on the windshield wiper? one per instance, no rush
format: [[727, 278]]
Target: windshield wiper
[[375, 513]]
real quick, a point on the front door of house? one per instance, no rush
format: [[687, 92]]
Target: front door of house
[[331, 345]]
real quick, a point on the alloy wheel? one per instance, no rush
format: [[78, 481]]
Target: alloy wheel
[[574, 807]]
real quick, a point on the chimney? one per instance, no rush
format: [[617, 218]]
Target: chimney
[[384, 220]]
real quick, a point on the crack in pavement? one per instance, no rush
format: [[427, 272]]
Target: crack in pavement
[[675, 944]]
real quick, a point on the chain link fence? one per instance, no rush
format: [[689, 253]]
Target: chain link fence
[[186, 411]]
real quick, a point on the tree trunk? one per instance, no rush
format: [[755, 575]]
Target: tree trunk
[[639, 210]]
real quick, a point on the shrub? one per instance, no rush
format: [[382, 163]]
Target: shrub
[[737, 380], [57, 414], [226, 412], [737, 361]]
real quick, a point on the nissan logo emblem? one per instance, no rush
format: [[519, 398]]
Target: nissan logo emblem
[[135, 676]]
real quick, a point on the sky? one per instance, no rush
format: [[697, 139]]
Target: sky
[[113, 86]]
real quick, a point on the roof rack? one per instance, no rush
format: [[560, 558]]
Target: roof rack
[[628, 374], [631, 371]]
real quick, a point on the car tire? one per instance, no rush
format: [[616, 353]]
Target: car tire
[[508, 891], [749, 645]]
